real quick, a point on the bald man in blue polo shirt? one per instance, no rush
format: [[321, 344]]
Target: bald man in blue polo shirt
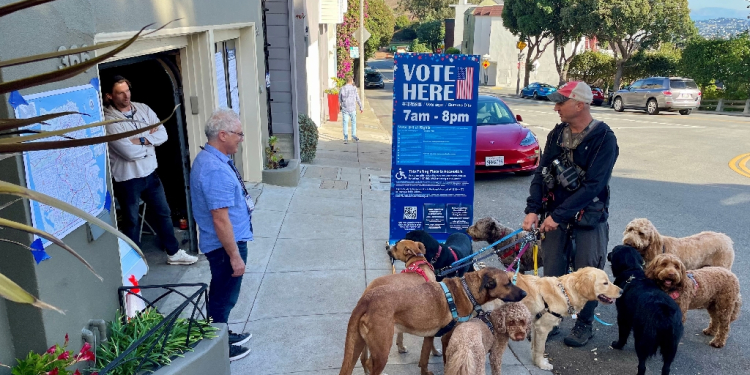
[[223, 210]]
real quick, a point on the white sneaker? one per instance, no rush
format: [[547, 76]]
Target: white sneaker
[[181, 257]]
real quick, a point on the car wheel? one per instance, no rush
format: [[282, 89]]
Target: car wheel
[[685, 112], [524, 173], [618, 104], [536, 96], [522, 95], [652, 108]]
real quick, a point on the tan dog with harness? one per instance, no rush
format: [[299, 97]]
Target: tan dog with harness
[[423, 310], [418, 271]]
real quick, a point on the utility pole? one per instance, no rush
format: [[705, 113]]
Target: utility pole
[[361, 38]]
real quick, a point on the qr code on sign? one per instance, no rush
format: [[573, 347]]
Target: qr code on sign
[[410, 213]]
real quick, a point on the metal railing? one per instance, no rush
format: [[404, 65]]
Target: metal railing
[[724, 105], [164, 328]]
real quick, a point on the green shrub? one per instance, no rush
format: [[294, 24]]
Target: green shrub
[[453, 51], [308, 134], [402, 22], [418, 47]]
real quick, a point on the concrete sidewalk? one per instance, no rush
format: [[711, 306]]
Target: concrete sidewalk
[[316, 247]]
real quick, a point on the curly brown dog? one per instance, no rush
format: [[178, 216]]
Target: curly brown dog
[[713, 288], [471, 341], [418, 271], [696, 251], [420, 310], [490, 230]]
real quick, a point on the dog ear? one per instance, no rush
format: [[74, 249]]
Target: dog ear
[[683, 272], [488, 282], [422, 249], [651, 270], [586, 285], [497, 317]]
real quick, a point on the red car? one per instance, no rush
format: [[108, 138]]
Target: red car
[[598, 96], [503, 144]]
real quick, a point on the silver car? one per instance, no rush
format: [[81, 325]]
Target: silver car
[[659, 94]]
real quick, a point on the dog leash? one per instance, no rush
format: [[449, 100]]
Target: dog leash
[[455, 266], [601, 321], [489, 247]]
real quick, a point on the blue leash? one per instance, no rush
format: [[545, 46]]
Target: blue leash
[[462, 260], [601, 321]]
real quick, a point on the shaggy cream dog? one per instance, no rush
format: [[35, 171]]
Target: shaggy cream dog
[[471, 341], [713, 288], [696, 251]]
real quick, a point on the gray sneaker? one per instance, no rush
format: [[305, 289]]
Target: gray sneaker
[[355, 139], [579, 335], [181, 257], [346, 141]]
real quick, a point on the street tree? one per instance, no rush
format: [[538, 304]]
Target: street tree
[[728, 61], [380, 23], [428, 9], [663, 62], [530, 21], [631, 25], [565, 29], [592, 67], [431, 33]]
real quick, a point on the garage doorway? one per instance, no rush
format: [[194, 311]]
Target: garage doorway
[[156, 82]]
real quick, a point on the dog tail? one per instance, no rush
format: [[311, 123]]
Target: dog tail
[[460, 363], [737, 308], [354, 343]]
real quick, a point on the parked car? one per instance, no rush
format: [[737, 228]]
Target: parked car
[[598, 96], [657, 94], [537, 90], [503, 144], [373, 78]]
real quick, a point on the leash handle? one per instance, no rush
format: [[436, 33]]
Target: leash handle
[[536, 265]]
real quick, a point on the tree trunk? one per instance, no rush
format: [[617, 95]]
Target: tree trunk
[[527, 65], [618, 75]]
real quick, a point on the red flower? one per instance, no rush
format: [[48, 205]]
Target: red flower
[[53, 372], [66, 339], [52, 349], [85, 354], [64, 356], [78, 373]]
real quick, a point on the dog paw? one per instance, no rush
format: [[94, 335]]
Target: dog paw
[[544, 364], [617, 345], [709, 332], [403, 350], [716, 343], [437, 352]]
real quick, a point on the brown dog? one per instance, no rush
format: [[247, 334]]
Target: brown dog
[[421, 310], [696, 251], [713, 288], [471, 341], [418, 271], [490, 230]]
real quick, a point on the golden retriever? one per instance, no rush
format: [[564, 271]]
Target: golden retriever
[[696, 251]]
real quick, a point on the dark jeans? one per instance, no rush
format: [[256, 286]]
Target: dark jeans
[[150, 190], [591, 251], [224, 289]]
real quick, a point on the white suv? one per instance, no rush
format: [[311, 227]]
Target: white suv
[[659, 94]]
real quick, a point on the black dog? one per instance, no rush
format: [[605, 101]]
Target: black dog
[[457, 246], [653, 316]]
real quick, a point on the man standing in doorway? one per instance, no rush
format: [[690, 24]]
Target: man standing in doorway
[[349, 98], [133, 164], [570, 191], [223, 210]]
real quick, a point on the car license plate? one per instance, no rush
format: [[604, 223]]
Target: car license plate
[[494, 161], [685, 95]]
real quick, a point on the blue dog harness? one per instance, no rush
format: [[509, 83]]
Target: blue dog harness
[[454, 309]]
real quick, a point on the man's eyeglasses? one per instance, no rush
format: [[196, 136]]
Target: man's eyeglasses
[[241, 134]]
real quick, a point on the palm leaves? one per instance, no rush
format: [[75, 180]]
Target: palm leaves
[[11, 144]]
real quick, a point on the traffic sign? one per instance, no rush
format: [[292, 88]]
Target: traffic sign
[[485, 64], [356, 35], [521, 44]]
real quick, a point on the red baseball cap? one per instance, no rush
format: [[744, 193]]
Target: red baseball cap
[[576, 90]]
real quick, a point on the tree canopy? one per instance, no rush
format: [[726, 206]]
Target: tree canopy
[[431, 33], [380, 23]]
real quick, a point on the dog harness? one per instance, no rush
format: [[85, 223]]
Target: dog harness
[[414, 268], [695, 282], [547, 310], [440, 250], [454, 309], [675, 294], [571, 310], [485, 317]]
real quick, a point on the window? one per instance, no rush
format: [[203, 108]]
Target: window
[[637, 85], [493, 112], [682, 84]]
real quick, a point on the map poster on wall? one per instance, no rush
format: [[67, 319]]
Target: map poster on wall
[[434, 138], [72, 175]]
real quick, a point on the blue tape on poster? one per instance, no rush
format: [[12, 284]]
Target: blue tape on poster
[[434, 143], [108, 201], [15, 99], [95, 82], [37, 250]]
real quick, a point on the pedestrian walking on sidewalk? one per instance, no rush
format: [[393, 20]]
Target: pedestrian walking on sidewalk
[[223, 210], [349, 98], [133, 164], [570, 191]]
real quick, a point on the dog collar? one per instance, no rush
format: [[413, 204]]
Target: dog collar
[[437, 256], [477, 307], [571, 310], [485, 317], [414, 268], [692, 277]]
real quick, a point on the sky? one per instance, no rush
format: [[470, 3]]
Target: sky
[[729, 4]]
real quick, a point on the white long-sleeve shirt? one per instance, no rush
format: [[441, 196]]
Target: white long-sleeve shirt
[[128, 160]]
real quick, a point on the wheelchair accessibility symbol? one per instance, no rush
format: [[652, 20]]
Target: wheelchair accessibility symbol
[[400, 175]]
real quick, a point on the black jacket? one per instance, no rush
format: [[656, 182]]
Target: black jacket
[[596, 155]]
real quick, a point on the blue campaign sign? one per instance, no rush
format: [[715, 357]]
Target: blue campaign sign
[[434, 139]]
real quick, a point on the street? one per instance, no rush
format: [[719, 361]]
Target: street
[[672, 169]]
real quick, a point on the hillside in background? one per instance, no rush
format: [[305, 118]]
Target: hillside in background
[[703, 14], [722, 28]]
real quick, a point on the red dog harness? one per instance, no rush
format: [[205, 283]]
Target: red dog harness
[[414, 268], [440, 250]]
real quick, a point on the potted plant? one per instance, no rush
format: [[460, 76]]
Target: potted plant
[[333, 98], [278, 171], [308, 133], [55, 361]]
